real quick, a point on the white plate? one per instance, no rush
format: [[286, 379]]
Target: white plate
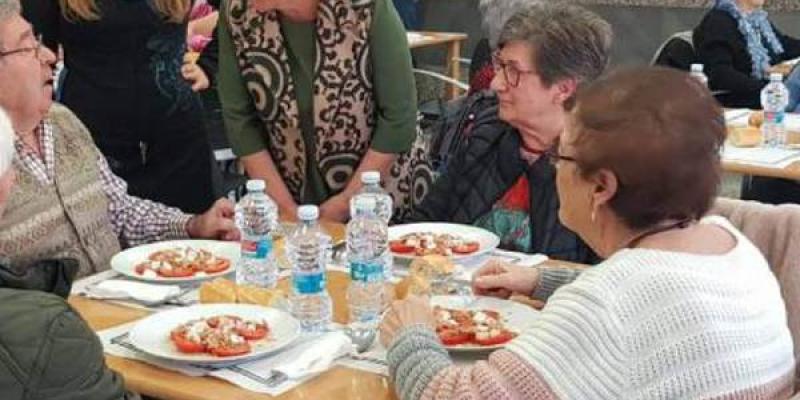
[[151, 334], [488, 241], [125, 261], [516, 316]]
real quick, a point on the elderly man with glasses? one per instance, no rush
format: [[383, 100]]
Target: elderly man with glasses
[[67, 202], [502, 180]]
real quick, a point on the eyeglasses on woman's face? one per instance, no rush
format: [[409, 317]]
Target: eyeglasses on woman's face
[[511, 72], [555, 157]]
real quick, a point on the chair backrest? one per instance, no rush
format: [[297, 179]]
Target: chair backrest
[[676, 52], [775, 230]]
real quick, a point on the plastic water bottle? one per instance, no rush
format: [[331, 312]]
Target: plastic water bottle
[[368, 256], [697, 73], [774, 99], [257, 219], [371, 187], [309, 251]]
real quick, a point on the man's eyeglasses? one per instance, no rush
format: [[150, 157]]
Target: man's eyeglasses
[[511, 73], [35, 49]]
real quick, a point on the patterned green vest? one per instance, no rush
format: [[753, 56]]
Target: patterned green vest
[[66, 220]]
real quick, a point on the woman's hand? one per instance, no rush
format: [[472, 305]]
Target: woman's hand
[[336, 208], [196, 76], [414, 310], [499, 279]]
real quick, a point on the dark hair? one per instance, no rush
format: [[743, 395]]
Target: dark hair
[[568, 41], [660, 132]]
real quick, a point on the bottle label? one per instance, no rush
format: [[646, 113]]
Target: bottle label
[[309, 284], [368, 272], [256, 248]]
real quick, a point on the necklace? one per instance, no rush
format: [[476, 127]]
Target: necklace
[[636, 239]]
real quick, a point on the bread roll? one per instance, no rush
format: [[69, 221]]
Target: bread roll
[[219, 290], [756, 119], [254, 295], [744, 136]]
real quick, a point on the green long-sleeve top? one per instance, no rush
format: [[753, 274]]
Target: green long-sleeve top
[[393, 85]]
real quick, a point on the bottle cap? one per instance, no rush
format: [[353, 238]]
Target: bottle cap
[[307, 212], [371, 177], [256, 185], [697, 68]]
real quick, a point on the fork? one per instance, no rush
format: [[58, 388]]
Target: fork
[[276, 378]]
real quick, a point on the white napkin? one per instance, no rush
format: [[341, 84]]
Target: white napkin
[[314, 356], [120, 289]]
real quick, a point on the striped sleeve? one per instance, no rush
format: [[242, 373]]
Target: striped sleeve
[[551, 279], [577, 344], [422, 370]]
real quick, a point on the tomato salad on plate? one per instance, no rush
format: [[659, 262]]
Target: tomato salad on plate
[[221, 336], [181, 262]]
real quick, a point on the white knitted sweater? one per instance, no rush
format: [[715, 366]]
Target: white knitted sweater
[[645, 324], [649, 324]]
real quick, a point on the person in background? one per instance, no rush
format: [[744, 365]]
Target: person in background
[[502, 180], [42, 337], [739, 46], [68, 203], [123, 61], [684, 306], [311, 101]]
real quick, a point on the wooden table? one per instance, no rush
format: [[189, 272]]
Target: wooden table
[[453, 43], [338, 383], [790, 172]]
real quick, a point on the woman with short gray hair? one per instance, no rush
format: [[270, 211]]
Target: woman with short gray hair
[[545, 51]]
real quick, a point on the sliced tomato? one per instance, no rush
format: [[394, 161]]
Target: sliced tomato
[[178, 271], [218, 266], [453, 337], [503, 337], [215, 321], [230, 350], [466, 248], [258, 331], [141, 268], [185, 345], [400, 246]]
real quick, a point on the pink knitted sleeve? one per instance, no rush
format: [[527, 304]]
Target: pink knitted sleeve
[[505, 376]]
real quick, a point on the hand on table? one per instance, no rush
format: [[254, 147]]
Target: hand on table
[[414, 310], [196, 76], [336, 209], [216, 223], [499, 279]]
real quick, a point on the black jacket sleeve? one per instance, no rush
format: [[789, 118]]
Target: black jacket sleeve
[[716, 41]]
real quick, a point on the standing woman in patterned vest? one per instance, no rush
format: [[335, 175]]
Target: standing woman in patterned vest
[[314, 92], [123, 60]]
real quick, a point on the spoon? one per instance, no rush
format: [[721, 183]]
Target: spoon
[[362, 338]]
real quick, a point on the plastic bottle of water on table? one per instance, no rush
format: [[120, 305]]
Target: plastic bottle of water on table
[[774, 99], [371, 187], [257, 220], [309, 251], [368, 256]]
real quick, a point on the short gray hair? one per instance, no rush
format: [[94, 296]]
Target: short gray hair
[[568, 41], [6, 142], [8, 9], [496, 13]]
